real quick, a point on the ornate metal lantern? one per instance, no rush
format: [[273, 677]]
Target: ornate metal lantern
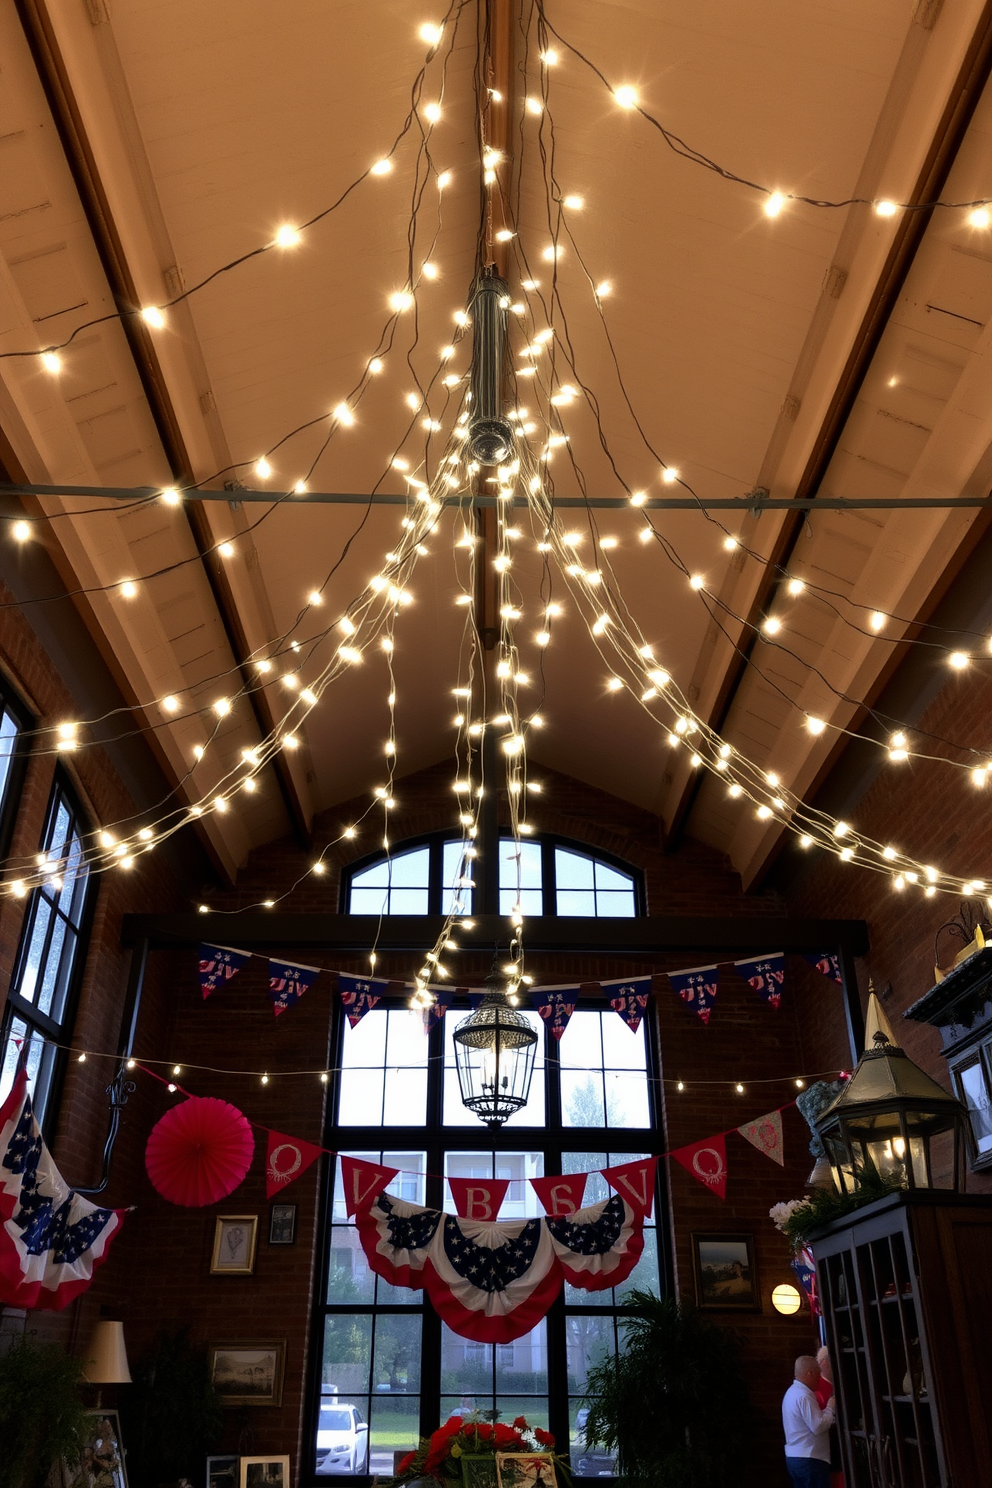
[[893, 1120], [495, 1047]]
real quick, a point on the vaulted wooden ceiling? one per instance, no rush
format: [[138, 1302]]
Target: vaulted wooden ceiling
[[823, 352]]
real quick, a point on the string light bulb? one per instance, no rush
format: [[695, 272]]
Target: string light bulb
[[626, 96], [287, 237], [153, 316]]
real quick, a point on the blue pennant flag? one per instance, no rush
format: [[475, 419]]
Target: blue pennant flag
[[219, 964], [442, 1001], [360, 995], [555, 1005], [476, 996], [825, 962], [629, 998], [287, 983], [766, 974], [697, 988]]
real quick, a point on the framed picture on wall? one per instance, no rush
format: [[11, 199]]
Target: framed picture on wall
[[264, 1472], [235, 1240], [248, 1373], [526, 1470], [725, 1273], [101, 1456], [222, 1472], [282, 1224]]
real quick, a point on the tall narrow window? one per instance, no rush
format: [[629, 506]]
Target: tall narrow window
[[12, 725], [39, 1005]]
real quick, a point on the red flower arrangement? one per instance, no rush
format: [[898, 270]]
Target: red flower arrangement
[[439, 1455]]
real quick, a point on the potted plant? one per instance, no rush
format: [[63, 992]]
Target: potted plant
[[42, 1416], [462, 1441], [672, 1405], [171, 1414]]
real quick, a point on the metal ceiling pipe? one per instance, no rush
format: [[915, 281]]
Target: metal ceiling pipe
[[490, 437]]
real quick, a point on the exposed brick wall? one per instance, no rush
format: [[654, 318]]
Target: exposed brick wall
[[936, 814]]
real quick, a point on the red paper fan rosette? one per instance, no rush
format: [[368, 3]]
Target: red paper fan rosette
[[199, 1152]]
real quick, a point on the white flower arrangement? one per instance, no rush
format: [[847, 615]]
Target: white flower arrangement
[[780, 1213]]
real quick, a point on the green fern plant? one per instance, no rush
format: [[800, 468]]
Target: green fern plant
[[42, 1417], [672, 1405]]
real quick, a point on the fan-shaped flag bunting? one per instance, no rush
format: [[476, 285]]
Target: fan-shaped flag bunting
[[286, 1159], [199, 1152], [629, 998], [287, 983], [51, 1239], [219, 964], [707, 1162], [766, 974], [697, 989], [827, 963], [766, 1134]]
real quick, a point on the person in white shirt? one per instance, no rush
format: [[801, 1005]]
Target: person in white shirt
[[807, 1427]]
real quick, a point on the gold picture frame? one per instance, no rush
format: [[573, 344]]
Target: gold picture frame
[[235, 1244], [248, 1373]]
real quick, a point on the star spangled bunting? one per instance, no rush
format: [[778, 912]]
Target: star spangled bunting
[[697, 989], [219, 964], [827, 963], [556, 1005], [287, 983], [766, 1134], [359, 995], [766, 974], [629, 998]]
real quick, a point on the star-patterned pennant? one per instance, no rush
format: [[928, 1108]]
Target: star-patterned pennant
[[827, 963], [766, 1134], [219, 964], [359, 995], [287, 983], [697, 988], [766, 974], [629, 998], [555, 1005]]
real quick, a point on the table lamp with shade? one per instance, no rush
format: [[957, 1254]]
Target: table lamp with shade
[[106, 1357]]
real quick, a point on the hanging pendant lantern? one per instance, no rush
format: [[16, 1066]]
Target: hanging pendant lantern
[[495, 1048]]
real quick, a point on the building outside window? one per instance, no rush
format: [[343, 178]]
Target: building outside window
[[40, 1003]]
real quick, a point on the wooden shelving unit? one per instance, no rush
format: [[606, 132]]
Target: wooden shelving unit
[[906, 1288]]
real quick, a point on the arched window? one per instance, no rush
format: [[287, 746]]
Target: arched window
[[544, 876]]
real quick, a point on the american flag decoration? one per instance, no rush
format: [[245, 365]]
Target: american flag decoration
[[359, 995], [697, 989], [287, 983], [51, 1239], [218, 964], [556, 1005], [766, 975], [629, 998], [827, 963]]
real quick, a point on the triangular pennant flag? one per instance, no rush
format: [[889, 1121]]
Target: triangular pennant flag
[[555, 1005], [287, 983], [219, 964], [825, 962], [635, 1183], [697, 989], [766, 974], [360, 995], [363, 1182], [478, 1198], [561, 1195], [440, 1005], [766, 1134], [706, 1161], [286, 1159], [629, 998]]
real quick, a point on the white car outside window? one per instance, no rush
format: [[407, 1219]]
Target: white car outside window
[[342, 1439]]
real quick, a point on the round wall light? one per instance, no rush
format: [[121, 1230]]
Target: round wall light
[[786, 1299]]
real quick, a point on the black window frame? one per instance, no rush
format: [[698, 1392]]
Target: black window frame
[[547, 841], [56, 1031], [10, 801], [435, 1139]]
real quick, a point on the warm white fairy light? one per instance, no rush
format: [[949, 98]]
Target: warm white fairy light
[[262, 468], [885, 208], [774, 204], [128, 589], [626, 96], [877, 620], [52, 362], [958, 660], [287, 236], [153, 316], [171, 496]]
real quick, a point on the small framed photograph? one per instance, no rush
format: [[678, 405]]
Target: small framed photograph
[[222, 1472], [264, 1472], [282, 1224], [248, 1374], [101, 1457], [479, 1471], [725, 1273], [526, 1470], [235, 1240]]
